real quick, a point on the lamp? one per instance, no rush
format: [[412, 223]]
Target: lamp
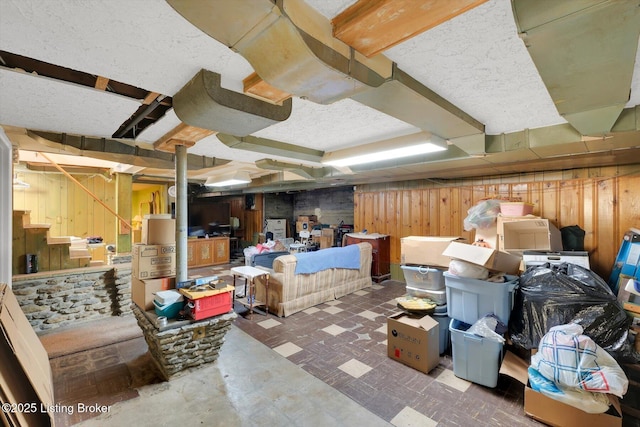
[[404, 146], [235, 178]]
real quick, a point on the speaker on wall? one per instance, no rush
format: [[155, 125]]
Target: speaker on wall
[[249, 202]]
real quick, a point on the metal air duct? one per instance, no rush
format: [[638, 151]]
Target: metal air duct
[[585, 53]]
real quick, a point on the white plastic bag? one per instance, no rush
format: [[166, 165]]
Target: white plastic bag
[[592, 403], [571, 359], [468, 270]]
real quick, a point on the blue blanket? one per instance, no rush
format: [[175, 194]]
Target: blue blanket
[[324, 259]]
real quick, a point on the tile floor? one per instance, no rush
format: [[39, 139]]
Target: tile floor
[[327, 365]]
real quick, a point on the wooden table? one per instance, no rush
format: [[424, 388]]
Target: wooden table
[[250, 274]]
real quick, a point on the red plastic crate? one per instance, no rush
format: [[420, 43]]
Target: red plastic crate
[[213, 305]]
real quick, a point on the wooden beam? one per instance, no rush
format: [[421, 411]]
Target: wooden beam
[[372, 26], [101, 82], [182, 134], [151, 96], [258, 88]]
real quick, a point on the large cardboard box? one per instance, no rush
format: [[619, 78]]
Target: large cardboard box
[[426, 250], [414, 341], [551, 411], [486, 257], [278, 227], [143, 291], [151, 261], [158, 230], [517, 235], [25, 372]]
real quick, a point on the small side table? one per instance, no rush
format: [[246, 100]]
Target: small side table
[[250, 274]]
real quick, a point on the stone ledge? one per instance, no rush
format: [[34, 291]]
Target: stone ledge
[[187, 345]]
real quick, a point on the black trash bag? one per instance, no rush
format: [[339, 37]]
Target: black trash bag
[[551, 295]]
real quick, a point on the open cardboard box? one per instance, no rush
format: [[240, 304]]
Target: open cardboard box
[[486, 257], [25, 372], [551, 411], [414, 341], [426, 250]]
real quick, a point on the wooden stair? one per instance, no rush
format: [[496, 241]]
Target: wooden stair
[[54, 253]]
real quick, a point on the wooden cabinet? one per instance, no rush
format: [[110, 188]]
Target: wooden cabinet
[[381, 258], [204, 252]]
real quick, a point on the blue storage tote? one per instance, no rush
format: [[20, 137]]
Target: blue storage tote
[[443, 320], [475, 358], [469, 299]]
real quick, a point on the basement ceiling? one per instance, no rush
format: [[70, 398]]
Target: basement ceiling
[[475, 73]]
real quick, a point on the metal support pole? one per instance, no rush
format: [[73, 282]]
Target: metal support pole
[[182, 213]]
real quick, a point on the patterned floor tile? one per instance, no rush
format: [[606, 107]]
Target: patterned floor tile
[[269, 323], [332, 310], [355, 368], [367, 314], [448, 377], [334, 330], [409, 417], [287, 349]]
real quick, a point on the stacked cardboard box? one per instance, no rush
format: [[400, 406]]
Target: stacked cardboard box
[[153, 266], [306, 222]]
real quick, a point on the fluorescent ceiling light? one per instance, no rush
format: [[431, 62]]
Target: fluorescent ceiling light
[[236, 178], [404, 146]]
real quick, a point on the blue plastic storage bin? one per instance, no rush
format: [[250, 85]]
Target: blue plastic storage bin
[[475, 358], [443, 320], [170, 311], [469, 299]]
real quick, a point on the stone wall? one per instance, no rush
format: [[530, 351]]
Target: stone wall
[[187, 345], [57, 298]]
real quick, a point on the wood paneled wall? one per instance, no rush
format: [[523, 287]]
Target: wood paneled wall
[[54, 199], [605, 202]]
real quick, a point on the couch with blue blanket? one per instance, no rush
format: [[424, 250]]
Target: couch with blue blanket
[[303, 280]]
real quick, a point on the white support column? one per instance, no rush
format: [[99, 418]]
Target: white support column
[[6, 207], [182, 214]]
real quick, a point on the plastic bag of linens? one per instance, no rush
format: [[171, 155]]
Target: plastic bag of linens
[[592, 403], [482, 215], [571, 359], [552, 295], [489, 327]]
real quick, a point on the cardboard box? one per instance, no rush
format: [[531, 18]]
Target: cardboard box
[[520, 234], [143, 291], [426, 250], [158, 230], [25, 372], [278, 227], [486, 257], [328, 232], [488, 235], [551, 411], [325, 241], [151, 261], [308, 218], [414, 341], [303, 226]]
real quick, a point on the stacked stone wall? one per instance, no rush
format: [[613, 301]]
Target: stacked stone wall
[[189, 345], [58, 298]]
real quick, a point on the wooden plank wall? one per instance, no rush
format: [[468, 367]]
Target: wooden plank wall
[[605, 202], [54, 199]]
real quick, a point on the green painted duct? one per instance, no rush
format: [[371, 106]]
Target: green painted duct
[[204, 103], [585, 53]]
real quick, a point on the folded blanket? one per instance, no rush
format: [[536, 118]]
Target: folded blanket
[[324, 259]]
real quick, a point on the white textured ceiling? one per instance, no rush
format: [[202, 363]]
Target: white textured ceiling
[[476, 61]]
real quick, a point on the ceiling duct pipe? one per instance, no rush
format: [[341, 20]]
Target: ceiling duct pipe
[[585, 52], [204, 103]]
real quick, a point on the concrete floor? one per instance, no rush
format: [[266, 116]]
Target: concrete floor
[[248, 385]]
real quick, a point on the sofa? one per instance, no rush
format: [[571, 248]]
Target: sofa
[[291, 291]]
